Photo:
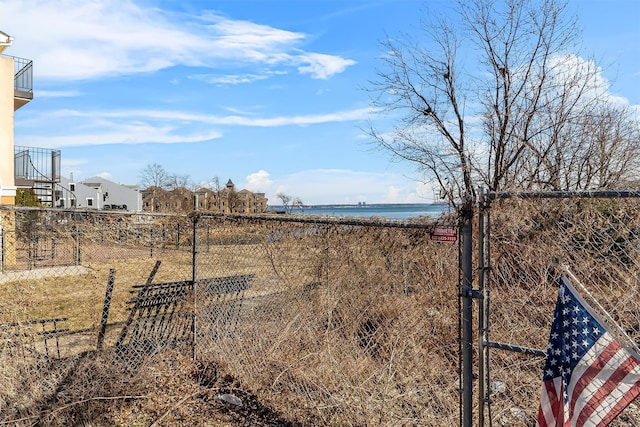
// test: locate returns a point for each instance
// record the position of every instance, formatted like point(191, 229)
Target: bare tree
point(609, 136)
point(234, 201)
point(154, 175)
point(180, 181)
point(507, 118)
point(586, 139)
point(216, 188)
point(289, 202)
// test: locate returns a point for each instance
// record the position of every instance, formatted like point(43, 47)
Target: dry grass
point(343, 325)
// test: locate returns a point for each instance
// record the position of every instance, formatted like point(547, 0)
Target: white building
point(97, 193)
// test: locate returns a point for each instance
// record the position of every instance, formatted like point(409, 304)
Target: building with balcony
point(16, 90)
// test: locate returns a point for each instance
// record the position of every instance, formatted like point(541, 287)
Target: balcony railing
point(36, 165)
point(23, 75)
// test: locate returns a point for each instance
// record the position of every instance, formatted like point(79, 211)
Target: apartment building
point(225, 200)
point(16, 90)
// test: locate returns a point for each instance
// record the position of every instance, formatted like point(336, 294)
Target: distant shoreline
point(374, 210)
point(364, 205)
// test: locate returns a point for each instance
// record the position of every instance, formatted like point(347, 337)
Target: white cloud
point(322, 66)
point(392, 194)
point(258, 182)
point(83, 128)
point(235, 79)
point(56, 93)
point(230, 79)
point(335, 186)
point(76, 39)
point(105, 175)
point(132, 133)
point(280, 189)
point(338, 116)
point(70, 162)
point(72, 167)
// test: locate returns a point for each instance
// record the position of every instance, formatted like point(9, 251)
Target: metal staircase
point(39, 170)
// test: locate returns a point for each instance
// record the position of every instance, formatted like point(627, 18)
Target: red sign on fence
point(444, 234)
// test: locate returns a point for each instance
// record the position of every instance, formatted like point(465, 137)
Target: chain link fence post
point(194, 280)
point(105, 310)
point(483, 307)
point(467, 313)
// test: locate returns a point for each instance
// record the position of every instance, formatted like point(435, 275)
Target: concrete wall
point(7, 183)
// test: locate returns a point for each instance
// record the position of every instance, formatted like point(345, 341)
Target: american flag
point(589, 378)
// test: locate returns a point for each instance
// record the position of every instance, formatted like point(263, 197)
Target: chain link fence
point(533, 240)
point(120, 318)
point(56, 268)
point(338, 322)
point(314, 321)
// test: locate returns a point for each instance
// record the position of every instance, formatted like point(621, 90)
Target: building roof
point(5, 40)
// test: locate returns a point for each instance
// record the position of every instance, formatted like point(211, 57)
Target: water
point(388, 211)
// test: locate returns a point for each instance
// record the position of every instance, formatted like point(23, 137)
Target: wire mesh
point(315, 322)
point(57, 265)
point(321, 322)
point(534, 241)
point(341, 323)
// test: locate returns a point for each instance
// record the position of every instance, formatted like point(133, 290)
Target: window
point(89, 201)
point(72, 187)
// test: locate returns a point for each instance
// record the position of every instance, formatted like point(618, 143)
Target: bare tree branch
point(537, 119)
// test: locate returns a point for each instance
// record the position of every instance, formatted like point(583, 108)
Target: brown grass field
point(342, 325)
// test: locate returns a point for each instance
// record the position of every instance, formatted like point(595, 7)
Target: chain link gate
point(526, 241)
point(334, 321)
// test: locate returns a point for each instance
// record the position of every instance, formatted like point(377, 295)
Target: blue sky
point(270, 94)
